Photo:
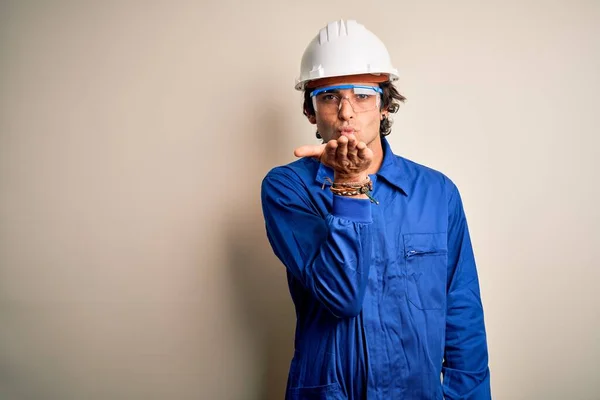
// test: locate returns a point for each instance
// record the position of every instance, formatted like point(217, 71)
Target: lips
point(347, 131)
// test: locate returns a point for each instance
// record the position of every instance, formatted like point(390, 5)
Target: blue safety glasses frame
point(366, 98)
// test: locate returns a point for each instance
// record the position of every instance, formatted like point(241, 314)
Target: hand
point(348, 157)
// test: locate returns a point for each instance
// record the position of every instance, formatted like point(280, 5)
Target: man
point(377, 250)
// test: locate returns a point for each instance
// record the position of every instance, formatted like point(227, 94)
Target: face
point(363, 124)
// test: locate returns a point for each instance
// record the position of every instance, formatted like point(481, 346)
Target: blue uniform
point(387, 296)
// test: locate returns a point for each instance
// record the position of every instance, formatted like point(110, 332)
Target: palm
point(346, 156)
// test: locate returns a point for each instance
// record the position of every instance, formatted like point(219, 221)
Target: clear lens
point(328, 100)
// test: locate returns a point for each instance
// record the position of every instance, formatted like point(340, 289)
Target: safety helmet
point(344, 48)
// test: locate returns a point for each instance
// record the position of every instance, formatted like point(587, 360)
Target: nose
point(346, 111)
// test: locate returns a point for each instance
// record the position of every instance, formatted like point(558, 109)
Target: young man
point(377, 250)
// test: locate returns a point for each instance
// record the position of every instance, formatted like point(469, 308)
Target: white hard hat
point(344, 48)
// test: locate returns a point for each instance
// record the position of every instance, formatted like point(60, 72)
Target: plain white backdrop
point(133, 139)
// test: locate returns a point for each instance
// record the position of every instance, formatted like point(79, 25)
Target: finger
point(352, 142)
point(364, 153)
point(331, 149)
point(342, 150)
point(352, 150)
point(310, 151)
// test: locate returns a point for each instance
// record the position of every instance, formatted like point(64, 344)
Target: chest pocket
point(426, 258)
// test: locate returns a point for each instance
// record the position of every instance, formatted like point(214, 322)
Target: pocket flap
point(332, 391)
point(424, 243)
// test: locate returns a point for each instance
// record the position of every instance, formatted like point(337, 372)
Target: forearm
point(465, 369)
point(329, 256)
point(339, 273)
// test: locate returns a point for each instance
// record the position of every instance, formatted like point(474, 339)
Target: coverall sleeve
point(329, 255)
point(465, 368)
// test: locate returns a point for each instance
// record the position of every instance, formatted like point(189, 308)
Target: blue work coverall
point(387, 296)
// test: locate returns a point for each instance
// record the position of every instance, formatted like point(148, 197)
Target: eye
point(363, 98)
point(328, 98)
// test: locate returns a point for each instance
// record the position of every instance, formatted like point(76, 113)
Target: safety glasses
point(362, 98)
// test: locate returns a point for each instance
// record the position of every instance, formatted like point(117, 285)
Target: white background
point(133, 139)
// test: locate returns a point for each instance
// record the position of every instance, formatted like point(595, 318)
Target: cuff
point(357, 210)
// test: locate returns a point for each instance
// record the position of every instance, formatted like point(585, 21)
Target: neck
point(376, 147)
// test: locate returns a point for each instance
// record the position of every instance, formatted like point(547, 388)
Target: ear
point(312, 119)
point(384, 114)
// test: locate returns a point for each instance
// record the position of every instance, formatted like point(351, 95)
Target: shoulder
point(295, 176)
point(302, 170)
point(423, 177)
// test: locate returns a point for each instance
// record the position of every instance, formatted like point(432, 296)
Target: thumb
point(310, 151)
